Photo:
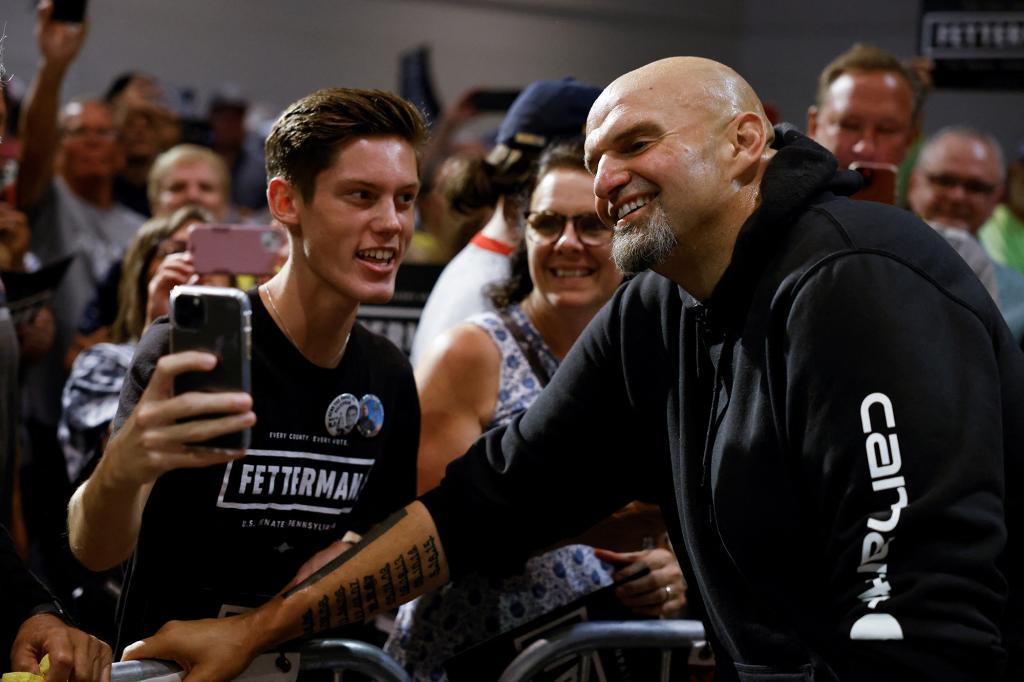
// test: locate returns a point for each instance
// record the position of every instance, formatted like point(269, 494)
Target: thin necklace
point(284, 328)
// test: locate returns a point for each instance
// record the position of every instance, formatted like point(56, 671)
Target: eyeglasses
point(547, 227)
point(969, 185)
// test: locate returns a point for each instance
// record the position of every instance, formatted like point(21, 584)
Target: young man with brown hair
point(223, 531)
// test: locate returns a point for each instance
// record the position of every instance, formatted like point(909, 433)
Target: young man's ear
point(284, 202)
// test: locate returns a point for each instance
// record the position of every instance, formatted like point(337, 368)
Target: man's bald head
point(691, 83)
point(677, 149)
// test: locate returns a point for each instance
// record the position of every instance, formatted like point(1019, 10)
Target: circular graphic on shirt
point(342, 414)
point(371, 416)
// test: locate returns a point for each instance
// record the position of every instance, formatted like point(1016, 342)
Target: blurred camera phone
point(493, 100)
point(236, 249)
point(69, 11)
point(879, 181)
point(216, 320)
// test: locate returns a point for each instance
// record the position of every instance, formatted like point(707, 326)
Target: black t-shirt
point(235, 534)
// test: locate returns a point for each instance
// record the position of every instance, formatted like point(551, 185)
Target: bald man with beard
point(817, 391)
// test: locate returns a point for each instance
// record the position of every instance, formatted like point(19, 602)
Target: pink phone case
point(236, 249)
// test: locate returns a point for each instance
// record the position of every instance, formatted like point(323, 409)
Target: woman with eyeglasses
point(482, 373)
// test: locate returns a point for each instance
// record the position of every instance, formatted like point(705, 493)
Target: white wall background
point(279, 50)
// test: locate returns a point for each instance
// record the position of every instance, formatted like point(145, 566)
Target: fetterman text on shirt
point(299, 481)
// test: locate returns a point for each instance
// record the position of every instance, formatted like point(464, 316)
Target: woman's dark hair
point(566, 153)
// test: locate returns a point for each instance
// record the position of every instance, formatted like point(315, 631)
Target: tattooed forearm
point(387, 586)
point(347, 555)
point(415, 567)
point(355, 598)
point(433, 558)
point(324, 612)
point(393, 569)
point(370, 593)
point(308, 626)
point(341, 605)
point(402, 571)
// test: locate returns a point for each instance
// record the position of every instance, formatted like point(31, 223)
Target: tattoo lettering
point(355, 597)
point(402, 571)
point(387, 585)
point(416, 566)
point(370, 594)
point(325, 613)
point(307, 622)
point(341, 605)
point(433, 557)
point(345, 556)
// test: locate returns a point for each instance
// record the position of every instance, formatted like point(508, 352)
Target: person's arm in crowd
point(59, 44)
point(458, 383)
point(105, 513)
point(36, 624)
point(399, 560)
point(901, 452)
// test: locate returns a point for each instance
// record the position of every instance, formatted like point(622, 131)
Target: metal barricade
point(655, 634)
point(321, 654)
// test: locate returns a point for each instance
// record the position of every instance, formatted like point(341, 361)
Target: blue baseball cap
point(543, 111)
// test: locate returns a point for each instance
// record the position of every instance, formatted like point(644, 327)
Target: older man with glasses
point(955, 186)
point(958, 179)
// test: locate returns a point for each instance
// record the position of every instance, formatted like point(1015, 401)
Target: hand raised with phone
point(155, 439)
point(59, 41)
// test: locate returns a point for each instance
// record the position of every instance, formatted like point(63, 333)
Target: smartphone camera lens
point(189, 312)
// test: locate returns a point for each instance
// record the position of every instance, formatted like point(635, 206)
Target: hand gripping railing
point(321, 654)
point(654, 634)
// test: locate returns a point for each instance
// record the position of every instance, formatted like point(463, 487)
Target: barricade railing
point(320, 654)
point(586, 637)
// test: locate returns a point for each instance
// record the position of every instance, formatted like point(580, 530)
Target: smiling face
point(192, 182)
point(656, 175)
point(865, 116)
point(956, 182)
point(354, 230)
point(568, 273)
point(89, 148)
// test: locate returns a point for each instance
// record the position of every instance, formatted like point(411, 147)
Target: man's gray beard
point(641, 247)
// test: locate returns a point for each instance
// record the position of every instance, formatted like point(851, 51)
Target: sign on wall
point(975, 44)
